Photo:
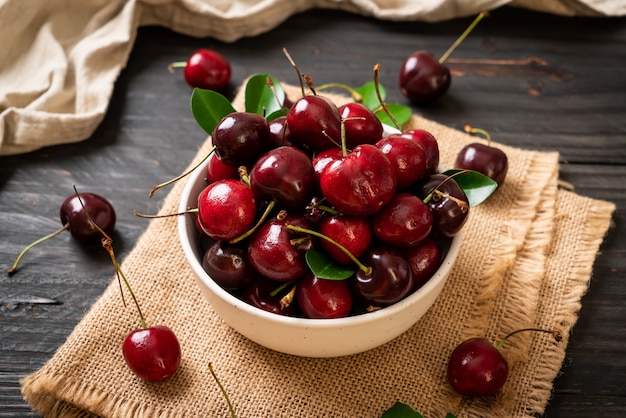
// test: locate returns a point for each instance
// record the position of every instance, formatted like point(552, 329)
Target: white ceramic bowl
point(302, 336)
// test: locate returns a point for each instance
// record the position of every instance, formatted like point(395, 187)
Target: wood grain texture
point(560, 86)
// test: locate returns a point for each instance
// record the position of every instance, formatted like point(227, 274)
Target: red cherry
point(424, 259)
point(404, 222)
point(361, 183)
point(321, 298)
point(152, 353)
point(351, 232)
point(73, 215)
point(314, 122)
point(219, 170)
point(226, 209)
point(488, 160)
point(207, 69)
point(422, 78)
point(431, 147)
point(407, 156)
point(361, 124)
point(477, 368)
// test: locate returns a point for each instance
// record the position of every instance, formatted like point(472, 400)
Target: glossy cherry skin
point(404, 222)
point(323, 299)
point(240, 138)
point(152, 353)
point(352, 232)
point(279, 132)
point(314, 122)
point(488, 160)
point(207, 69)
point(226, 209)
point(219, 170)
point(407, 157)
point(390, 281)
point(422, 79)
point(99, 209)
point(477, 368)
point(361, 183)
point(284, 175)
point(430, 145)
point(424, 259)
point(228, 265)
point(360, 124)
point(450, 208)
point(260, 294)
point(276, 252)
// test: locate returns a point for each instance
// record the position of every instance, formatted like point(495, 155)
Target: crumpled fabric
point(61, 58)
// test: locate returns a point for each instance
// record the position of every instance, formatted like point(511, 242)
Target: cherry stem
point(462, 37)
point(179, 64)
point(356, 96)
point(13, 269)
point(224, 393)
point(325, 208)
point(270, 83)
point(168, 215)
point(367, 270)
point(286, 300)
point(107, 244)
point(555, 334)
point(436, 189)
point(469, 129)
point(380, 97)
point(463, 206)
point(249, 232)
point(175, 179)
point(295, 67)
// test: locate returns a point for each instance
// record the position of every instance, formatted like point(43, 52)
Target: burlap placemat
point(526, 260)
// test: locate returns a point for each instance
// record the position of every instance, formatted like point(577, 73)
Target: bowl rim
point(187, 223)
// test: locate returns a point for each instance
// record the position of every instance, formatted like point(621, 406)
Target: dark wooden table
point(532, 80)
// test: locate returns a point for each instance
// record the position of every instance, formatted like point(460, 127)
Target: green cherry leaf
point(476, 186)
point(401, 113)
point(401, 410)
point(369, 96)
point(208, 107)
point(324, 267)
point(263, 99)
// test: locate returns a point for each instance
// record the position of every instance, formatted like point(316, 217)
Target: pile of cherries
point(324, 181)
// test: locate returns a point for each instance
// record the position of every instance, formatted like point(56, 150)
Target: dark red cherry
point(219, 170)
point(404, 222)
point(407, 157)
point(422, 79)
point(152, 353)
point(323, 299)
point(228, 265)
point(261, 293)
point(477, 368)
point(240, 138)
point(430, 145)
point(389, 281)
point(448, 202)
point(226, 209)
point(314, 122)
point(488, 160)
point(207, 69)
point(279, 132)
point(360, 124)
point(352, 232)
point(276, 252)
point(284, 175)
point(424, 259)
point(79, 225)
point(361, 183)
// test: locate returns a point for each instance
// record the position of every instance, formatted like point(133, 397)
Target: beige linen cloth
point(60, 58)
point(526, 261)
